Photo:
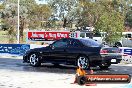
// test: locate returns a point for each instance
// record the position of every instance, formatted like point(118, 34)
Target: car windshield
point(90, 42)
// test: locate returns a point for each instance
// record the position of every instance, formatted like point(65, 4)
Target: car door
point(74, 48)
point(58, 50)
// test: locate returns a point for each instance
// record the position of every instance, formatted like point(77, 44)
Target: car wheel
point(83, 62)
point(34, 60)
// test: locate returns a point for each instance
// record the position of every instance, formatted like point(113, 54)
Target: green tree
point(128, 19)
point(31, 15)
point(88, 13)
point(111, 21)
point(10, 18)
point(25, 8)
point(105, 16)
point(64, 9)
point(38, 15)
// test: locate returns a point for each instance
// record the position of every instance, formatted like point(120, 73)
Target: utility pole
point(18, 31)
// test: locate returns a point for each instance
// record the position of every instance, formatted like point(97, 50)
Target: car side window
point(74, 43)
point(60, 43)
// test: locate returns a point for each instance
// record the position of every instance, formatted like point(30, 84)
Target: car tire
point(83, 62)
point(34, 60)
point(103, 67)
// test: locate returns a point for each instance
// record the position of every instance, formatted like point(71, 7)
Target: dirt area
point(21, 79)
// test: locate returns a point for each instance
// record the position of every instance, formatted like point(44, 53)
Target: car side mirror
point(50, 45)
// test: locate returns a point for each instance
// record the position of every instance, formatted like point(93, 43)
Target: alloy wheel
point(83, 62)
point(34, 60)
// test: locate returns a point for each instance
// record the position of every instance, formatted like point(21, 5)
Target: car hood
point(37, 50)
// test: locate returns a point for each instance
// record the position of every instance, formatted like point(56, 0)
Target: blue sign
point(18, 49)
point(128, 51)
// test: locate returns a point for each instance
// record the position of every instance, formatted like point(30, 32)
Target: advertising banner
point(17, 49)
point(46, 35)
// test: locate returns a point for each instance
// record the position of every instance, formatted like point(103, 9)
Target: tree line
point(110, 16)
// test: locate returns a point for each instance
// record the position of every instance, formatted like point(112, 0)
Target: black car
point(70, 51)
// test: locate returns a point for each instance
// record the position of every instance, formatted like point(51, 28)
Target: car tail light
point(103, 51)
point(125, 55)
